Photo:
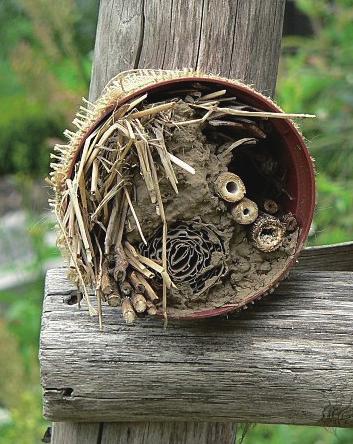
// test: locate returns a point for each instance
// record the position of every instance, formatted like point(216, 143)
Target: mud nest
point(175, 203)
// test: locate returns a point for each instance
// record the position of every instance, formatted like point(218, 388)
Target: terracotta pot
point(300, 170)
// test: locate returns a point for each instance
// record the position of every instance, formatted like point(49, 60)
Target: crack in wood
point(141, 36)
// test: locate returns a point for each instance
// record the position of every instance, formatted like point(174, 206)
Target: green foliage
point(44, 71)
point(25, 132)
point(316, 77)
point(280, 434)
point(20, 392)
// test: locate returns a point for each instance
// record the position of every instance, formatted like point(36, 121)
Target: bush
point(316, 77)
point(25, 131)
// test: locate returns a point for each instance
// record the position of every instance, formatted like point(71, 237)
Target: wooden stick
point(127, 311)
point(106, 285)
point(136, 282)
point(151, 308)
point(139, 303)
point(266, 114)
point(121, 264)
point(149, 292)
point(113, 299)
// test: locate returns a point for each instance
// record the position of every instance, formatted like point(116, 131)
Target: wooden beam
point(289, 359)
point(142, 433)
point(234, 38)
point(338, 257)
point(76, 433)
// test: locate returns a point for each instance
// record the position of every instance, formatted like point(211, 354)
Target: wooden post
point(234, 38)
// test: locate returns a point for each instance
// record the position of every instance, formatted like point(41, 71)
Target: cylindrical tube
point(139, 303)
point(267, 233)
point(136, 282)
point(128, 312)
point(270, 206)
point(126, 288)
point(230, 187)
point(245, 212)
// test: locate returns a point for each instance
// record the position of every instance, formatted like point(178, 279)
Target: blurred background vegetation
point(45, 61)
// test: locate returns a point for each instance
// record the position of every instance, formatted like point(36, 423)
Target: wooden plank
point(116, 49)
point(234, 38)
point(287, 360)
point(76, 433)
point(168, 433)
point(338, 257)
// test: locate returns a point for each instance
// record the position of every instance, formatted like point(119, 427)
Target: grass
point(20, 392)
point(286, 434)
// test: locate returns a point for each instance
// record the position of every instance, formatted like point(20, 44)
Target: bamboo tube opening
point(245, 212)
point(230, 187)
point(267, 233)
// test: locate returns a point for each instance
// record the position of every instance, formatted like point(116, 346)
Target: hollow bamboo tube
point(139, 303)
point(128, 312)
point(245, 212)
point(149, 292)
point(136, 282)
point(151, 308)
point(267, 233)
point(270, 206)
point(230, 187)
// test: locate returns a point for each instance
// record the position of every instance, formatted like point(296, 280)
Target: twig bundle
point(93, 210)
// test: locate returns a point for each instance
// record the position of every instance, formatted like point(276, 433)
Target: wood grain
point(76, 433)
point(233, 38)
point(168, 433)
point(287, 360)
point(338, 257)
point(143, 433)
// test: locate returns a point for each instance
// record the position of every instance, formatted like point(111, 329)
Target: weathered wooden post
point(190, 383)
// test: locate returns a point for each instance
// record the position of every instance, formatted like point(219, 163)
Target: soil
point(246, 270)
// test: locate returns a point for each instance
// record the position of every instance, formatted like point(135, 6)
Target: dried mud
point(248, 270)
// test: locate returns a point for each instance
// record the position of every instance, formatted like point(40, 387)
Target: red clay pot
point(300, 170)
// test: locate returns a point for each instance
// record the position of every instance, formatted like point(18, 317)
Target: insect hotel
point(183, 197)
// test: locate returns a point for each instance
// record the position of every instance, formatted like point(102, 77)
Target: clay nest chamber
point(181, 195)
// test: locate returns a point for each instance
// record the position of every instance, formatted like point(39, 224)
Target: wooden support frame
point(287, 359)
point(273, 363)
point(270, 364)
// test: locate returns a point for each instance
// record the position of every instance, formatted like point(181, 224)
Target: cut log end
point(128, 312)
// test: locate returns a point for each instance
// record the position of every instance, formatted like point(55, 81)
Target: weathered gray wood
point(143, 433)
point(337, 257)
point(287, 360)
point(234, 38)
point(168, 433)
point(76, 433)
